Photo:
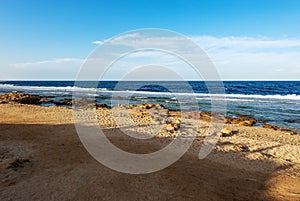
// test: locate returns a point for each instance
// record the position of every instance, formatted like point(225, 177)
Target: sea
point(273, 102)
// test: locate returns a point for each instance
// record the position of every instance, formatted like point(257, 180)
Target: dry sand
point(42, 158)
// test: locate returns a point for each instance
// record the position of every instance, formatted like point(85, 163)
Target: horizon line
point(4, 80)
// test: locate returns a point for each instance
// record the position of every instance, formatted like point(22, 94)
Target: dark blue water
point(275, 102)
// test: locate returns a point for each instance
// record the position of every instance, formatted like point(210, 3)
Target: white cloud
point(234, 57)
point(208, 42)
point(60, 68)
point(97, 42)
point(237, 57)
point(133, 36)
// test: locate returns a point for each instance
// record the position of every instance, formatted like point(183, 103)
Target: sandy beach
point(42, 158)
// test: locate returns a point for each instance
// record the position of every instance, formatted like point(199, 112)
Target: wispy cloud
point(234, 57)
point(208, 42)
point(129, 36)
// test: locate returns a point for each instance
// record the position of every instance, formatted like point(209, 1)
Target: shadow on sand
point(61, 169)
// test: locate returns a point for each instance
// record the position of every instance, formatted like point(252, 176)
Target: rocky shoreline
point(42, 157)
point(25, 98)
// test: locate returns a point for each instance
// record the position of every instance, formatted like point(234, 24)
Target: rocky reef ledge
point(25, 98)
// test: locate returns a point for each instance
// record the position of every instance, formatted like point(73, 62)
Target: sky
point(246, 40)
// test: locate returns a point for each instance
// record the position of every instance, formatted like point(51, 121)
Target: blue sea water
point(274, 102)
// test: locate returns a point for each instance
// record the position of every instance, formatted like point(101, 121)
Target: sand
point(42, 158)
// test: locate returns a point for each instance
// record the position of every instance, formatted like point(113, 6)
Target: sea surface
point(274, 102)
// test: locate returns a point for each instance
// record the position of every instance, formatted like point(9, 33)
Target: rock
point(102, 105)
point(241, 148)
point(19, 97)
point(289, 132)
point(270, 126)
point(170, 128)
point(205, 116)
point(246, 123)
point(149, 106)
point(172, 125)
point(176, 127)
point(146, 106)
point(292, 120)
point(242, 120)
point(67, 101)
point(46, 101)
point(160, 106)
point(227, 120)
point(131, 106)
point(225, 132)
point(176, 121)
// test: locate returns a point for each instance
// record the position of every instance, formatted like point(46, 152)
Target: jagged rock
point(160, 106)
point(146, 106)
point(65, 101)
point(242, 120)
point(227, 120)
point(247, 123)
point(170, 128)
point(102, 105)
point(176, 121)
point(149, 106)
point(172, 124)
point(19, 97)
point(205, 116)
point(270, 126)
point(43, 100)
point(289, 132)
point(176, 127)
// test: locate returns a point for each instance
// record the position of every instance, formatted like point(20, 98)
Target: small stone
point(226, 132)
point(176, 127)
point(170, 128)
point(241, 148)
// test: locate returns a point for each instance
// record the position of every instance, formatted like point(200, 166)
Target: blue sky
point(245, 39)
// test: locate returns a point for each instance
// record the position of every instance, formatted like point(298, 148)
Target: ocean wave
point(197, 96)
point(53, 89)
point(232, 97)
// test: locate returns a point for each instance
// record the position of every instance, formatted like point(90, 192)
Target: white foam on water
point(199, 96)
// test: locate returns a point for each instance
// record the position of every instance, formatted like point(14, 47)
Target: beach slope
point(42, 158)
